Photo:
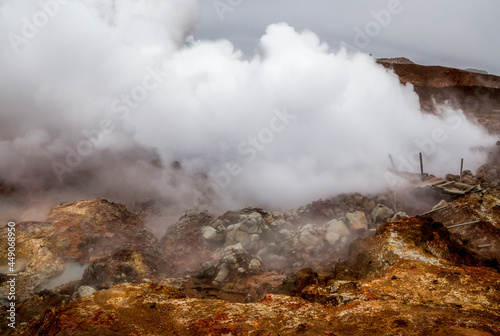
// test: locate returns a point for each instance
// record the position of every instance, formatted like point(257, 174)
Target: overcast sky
point(456, 33)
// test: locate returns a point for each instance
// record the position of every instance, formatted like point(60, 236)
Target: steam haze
point(126, 84)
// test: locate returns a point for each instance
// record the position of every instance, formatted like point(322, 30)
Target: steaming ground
point(117, 100)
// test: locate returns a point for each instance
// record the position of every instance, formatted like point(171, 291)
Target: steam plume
point(115, 99)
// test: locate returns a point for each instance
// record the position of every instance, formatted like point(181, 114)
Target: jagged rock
point(38, 303)
point(234, 265)
point(222, 274)
point(97, 224)
point(398, 216)
point(130, 263)
point(254, 265)
point(417, 239)
point(73, 232)
point(185, 241)
point(304, 277)
point(68, 288)
point(214, 235)
point(207, 271)
point(335, 230)
point(209, 233)
point(236, 248)
point(357, 220)
point(381, 214)
point(232, 217)
point(483, 233)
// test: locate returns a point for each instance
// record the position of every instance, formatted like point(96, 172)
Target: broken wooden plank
point(470, 189)
point(463, 185)
point(433, 210)
point(441, 186)
point(432, 184)
point(463, 224)
point(453, 192)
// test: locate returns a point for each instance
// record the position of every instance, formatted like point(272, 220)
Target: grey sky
point(462, 34)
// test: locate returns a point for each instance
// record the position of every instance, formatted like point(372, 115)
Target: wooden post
point(461, 169)
point(392, 162)
point(421, 164)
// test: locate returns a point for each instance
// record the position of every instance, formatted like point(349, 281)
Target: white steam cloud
point(102, 97)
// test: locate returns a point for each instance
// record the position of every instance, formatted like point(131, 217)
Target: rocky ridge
point(477, 94)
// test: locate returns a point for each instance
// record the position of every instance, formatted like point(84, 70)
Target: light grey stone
point(357, 220)
point(254, 264)
point(398, 216)
point(381, 214)
point(85, 291)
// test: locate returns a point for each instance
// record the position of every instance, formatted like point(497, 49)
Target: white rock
point(381, 214)
point(254, 237)
point(332, 237)
point(254, 264)
point(337, 226)
point(229, 259)
point(308, 235)
point(308, 239)
point(236, 248)
point(85, 291)
point(398, 216)
point(223, 274)
point(357, 220)
point(209, 233)
point(243, 238)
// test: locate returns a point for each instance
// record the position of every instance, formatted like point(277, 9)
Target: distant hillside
point(476, 93)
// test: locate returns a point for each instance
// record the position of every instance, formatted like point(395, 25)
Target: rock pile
point(229, 248)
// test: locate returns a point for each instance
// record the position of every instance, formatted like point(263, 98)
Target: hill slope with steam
point(476, 93)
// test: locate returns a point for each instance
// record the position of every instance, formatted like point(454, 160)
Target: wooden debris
point(463, 224)
point(437, 182)
point(441, 186)
point(424, 180)
point(463, 185)
point(434, 210)
point(454, 191)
